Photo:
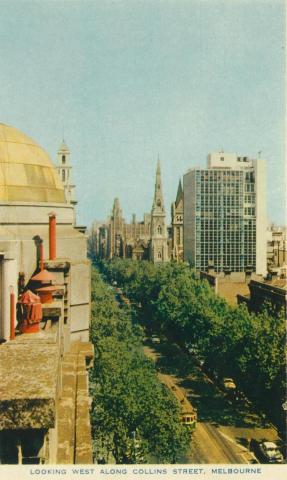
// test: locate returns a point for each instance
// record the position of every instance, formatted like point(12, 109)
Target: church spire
point(158, 205)
point(177, 225)
point(158, 243)
point(117, 212)
point(179, 194)
point(158, 166)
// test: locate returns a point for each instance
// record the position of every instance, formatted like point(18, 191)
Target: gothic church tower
point(177, 225)
point(158, 244)
point(116, 232)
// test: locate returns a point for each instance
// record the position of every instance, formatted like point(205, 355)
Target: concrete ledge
point(86, 349)
point(42, 338)
point(52, 309)
point(83, 453)
point(29, 384)
point(74, 428)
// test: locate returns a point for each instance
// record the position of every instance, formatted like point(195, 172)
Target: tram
point(188, 412)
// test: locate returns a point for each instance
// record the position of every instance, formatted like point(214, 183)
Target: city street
point(224, 429)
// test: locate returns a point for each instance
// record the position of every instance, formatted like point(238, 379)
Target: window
point(158, 202)
point(63, 175)
point(159, 255)
point(159, 230)
point(64, 159)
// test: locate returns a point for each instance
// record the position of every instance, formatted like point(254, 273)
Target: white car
point(270, 452)
point(155, 339)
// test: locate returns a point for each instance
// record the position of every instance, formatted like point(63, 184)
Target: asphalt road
point(223, 429)
point(209, 446)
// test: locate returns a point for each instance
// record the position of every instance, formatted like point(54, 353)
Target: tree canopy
point(169, 298)
point(133, 415)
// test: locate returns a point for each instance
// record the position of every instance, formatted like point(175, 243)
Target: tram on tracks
point(188, 412)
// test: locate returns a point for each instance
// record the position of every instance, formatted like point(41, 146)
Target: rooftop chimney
point(52, 236)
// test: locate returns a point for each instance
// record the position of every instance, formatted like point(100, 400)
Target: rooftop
point(28, 370)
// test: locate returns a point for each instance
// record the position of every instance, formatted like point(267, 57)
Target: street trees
point(133, 415)
point(236, 343)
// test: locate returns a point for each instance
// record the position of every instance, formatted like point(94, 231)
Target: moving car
point(267, 452)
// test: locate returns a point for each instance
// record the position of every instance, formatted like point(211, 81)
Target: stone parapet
point(29, 373)
point(83, 447)
point(74, 428)
point(66, 410)
point(86, 349)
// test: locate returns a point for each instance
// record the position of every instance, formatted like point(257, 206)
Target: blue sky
point(133, 79)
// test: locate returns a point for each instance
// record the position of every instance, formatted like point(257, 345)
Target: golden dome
point(26, 171)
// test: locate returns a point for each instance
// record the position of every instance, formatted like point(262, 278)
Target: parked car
point(267, 452)
point(155, 339)
point(228, 385)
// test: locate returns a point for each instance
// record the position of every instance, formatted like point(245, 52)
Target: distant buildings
point(225, 215)
point(146, 240)
point(270, 292)
point(276, 247)
point(218, 222)
point(272, 289)
point(125, 240)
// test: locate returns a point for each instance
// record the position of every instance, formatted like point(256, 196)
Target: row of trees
point(172, 301)
point(134, 417)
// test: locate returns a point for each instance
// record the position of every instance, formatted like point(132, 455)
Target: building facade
point(44, 405)
point(177, 226)
point(225, 215)
point(125, 240)
point(270, 293)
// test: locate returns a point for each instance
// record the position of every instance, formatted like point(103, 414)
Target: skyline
point(130, 81)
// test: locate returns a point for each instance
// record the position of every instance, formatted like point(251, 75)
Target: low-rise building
point(270, 292)
point(276, 247)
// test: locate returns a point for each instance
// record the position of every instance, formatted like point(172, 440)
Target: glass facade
point(225, 220)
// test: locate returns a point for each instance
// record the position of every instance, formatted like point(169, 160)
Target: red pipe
point(41, 251)
point(52, 236)
point(12, 314)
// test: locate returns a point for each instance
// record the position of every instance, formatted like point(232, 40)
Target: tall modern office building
point(225, 214)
